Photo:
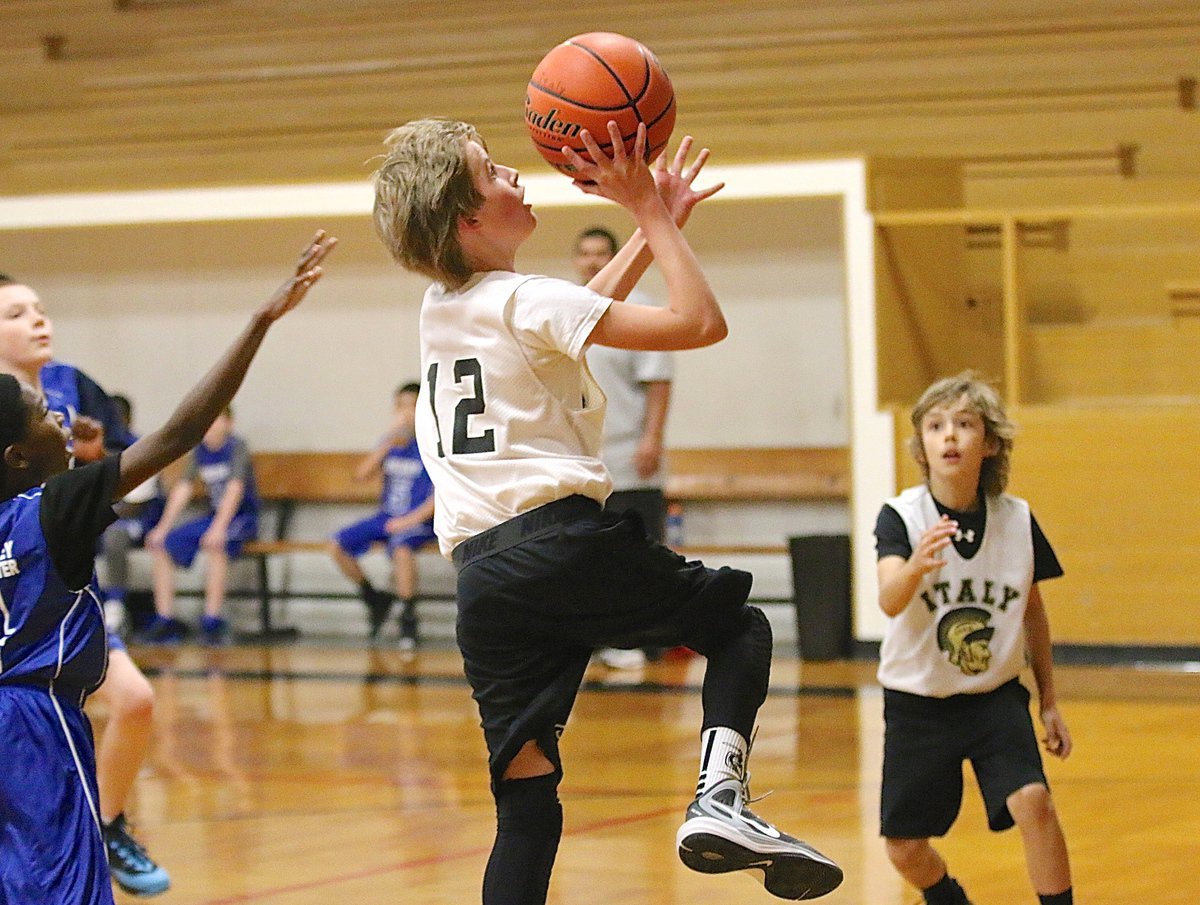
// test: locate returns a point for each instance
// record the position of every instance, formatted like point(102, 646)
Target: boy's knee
point(759, 626)
point(1031, 804)
point(750, 631)
point(133, 700)
point(906, 853)
point(530, 806)
point(743, 624)
point(529, 762)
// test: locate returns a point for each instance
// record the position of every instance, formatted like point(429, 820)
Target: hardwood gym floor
point(306, 774)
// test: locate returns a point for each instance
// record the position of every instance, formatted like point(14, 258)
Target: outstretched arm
point(186, 426)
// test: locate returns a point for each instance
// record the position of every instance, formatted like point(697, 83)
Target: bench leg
point(267, 633)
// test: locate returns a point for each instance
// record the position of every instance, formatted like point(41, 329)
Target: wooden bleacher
point(290, 480)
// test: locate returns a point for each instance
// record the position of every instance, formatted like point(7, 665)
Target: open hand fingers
point(320, 245)
point(639, 142)
point(292, 292)
point(697, 165)
point(710, 191)
point(590, 145)
point(303, 282)
point(618, 143)
point(681, 154)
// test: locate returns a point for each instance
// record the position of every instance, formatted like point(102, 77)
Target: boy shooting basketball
point(509, 424)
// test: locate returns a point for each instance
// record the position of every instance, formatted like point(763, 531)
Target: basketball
point(590, 79)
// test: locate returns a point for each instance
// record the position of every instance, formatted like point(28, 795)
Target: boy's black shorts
point(925, 743)
point(538, 593)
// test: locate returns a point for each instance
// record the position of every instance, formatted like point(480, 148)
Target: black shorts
point(650, 503)
point(925, 743)
point(537, 594)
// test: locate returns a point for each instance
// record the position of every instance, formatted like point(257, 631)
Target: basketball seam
point(665, 110)
point(631, 100)
point(582, 106)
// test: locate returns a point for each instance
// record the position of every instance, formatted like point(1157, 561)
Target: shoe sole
point(787, 874)
point(157, 888)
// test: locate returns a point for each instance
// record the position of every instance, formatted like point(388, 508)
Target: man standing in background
point(638, 387)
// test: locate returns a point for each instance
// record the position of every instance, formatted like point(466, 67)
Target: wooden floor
point(306, 774)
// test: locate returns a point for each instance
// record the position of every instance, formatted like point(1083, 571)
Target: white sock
point(722, 756)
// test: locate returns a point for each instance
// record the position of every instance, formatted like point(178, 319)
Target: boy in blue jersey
point(55, 651)
point(221, 466)
point(404, 520)
point(26, 352)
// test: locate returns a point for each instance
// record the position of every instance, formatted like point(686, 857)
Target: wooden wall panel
point(1117, 493)
point(101, 97)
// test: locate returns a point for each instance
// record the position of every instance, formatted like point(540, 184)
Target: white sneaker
point(721, 835)
point(615, 658)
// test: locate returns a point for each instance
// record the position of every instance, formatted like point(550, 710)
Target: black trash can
point(821, 592)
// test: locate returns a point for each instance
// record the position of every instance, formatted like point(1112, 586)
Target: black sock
point(737, 675)
point(1066, 897)
point(528, 828)
point(945, 891)
point(366, 590)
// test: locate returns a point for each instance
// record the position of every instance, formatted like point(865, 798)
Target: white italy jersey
point(509, 417)
point(964, 629)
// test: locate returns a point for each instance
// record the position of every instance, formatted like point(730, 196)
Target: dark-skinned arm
point(216, 389)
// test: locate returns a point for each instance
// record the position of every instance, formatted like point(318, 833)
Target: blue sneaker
point(214, 631)
point(165, 630)
point(133, 869)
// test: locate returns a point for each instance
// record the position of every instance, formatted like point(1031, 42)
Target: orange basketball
point(590, 79)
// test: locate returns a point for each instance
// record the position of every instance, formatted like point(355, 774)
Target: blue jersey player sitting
point(404, 521)
point(221, 466)
point(54, 648)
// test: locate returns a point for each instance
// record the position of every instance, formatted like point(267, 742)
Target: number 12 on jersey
point(462, 441)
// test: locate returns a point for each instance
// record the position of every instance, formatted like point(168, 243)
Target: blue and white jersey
point(53, 626)
point(406, 483)
point(70, 392)
point(217, 467)
point(61, 389)
point(52, 654)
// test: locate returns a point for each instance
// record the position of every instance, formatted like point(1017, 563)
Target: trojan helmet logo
point(736, 762)
point(964, 635)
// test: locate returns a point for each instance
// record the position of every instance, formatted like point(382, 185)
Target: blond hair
point(998, 430)
point(422, 188)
